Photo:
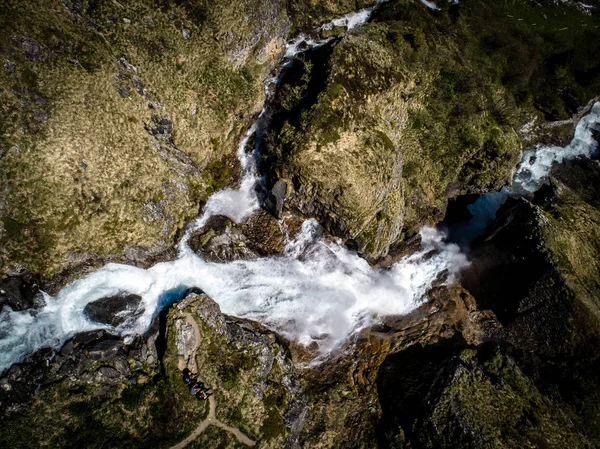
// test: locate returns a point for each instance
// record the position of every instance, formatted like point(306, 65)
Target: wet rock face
point(596, 135)
point(521, 271)
point(349, 409)
point(275, 198)
point(511, 262)
point(221, 240)
point(113, 310)
point(20, 293)
point(481, 382)
point(267, 235)
point(94, 357)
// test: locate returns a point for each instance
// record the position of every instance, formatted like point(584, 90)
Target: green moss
point(215, 438)
point(490, 397)
point(136, 416)
point(12, 228)
point(436, 96)
point(232, 87)
point(539, 54)
point(273, 426)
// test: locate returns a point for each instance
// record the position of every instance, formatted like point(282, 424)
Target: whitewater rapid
point(533, 170)
point(317, 291)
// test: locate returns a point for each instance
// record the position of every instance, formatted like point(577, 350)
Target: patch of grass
point(72, 170)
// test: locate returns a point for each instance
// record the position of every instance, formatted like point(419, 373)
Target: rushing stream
point(317, 291)
point(531, 173)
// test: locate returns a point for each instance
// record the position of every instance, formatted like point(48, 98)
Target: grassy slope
point(90, 179)
point(436, 97)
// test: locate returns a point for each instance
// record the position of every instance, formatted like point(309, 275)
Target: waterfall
point(317, 291)
point(533, 170)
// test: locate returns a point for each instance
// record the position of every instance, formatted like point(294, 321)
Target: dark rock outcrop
point(348, 408)
point(98, 391)
point(275, 197)
point(221, 240)
point(537, 269)
point(20, 293)
point(442, 396)
point(97, 358)
point(113, 310)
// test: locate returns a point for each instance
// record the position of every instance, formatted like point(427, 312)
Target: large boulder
point(113, 310)
point(221, 240)
point(20, 293)
point(275, 198)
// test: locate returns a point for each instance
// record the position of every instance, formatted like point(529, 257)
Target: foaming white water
point(304, 41)
point(430, 4)
point(537, 163)
point(535, 167)
point(350, 21)
point(278, 291)
point(317, 291)
point(236, 204)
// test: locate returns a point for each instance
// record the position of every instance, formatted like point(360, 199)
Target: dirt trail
point(212, 417)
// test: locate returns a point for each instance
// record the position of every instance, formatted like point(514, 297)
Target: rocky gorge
point(311, 294)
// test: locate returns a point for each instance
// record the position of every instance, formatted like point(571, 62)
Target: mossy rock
point(248, 367)
point(539, 274)
point(98, 391)
point(419, 105)
point(76, 405)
